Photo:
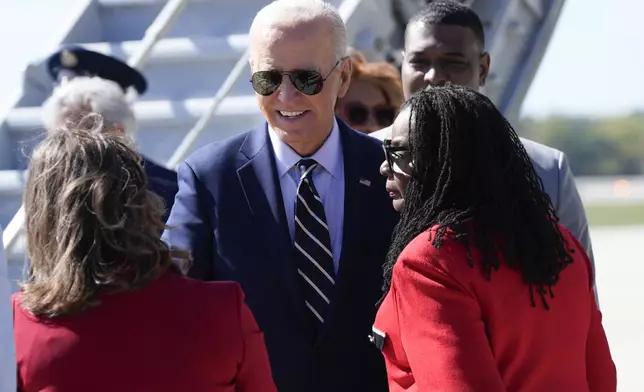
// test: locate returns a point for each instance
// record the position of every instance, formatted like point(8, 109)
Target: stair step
point(179, 49)
point(177, 69)
point(151, 113)
point(189, 67)
point(12, 183)
point(161, 126)
point(135, 3)
point(125, 20)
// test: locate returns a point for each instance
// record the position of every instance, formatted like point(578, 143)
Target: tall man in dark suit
point(295, 209)
point(93, 82)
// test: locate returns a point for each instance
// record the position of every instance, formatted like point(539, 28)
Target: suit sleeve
point(442, 333)
point(570, 208)
point(255, 371)
point(571, 213)
point(190, 227)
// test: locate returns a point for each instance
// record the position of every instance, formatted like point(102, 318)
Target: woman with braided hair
point(485, 291)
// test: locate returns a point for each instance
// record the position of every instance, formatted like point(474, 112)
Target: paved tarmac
point(620, 282)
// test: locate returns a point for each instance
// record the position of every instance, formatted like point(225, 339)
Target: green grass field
point(615, 215)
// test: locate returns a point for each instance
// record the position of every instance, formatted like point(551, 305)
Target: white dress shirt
point(328, 178)
point(7, 348)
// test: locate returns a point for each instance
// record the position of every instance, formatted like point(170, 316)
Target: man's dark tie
point(314, 259)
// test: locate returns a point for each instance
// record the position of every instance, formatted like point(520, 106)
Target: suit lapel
point(259, 170)
point(353, 193)
point(357, 193)
point(260, 183)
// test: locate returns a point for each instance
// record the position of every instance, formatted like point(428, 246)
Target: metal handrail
point(346, 9)
point(162, 23)
point(13, 229)
point(157, 30)
point(186, 143)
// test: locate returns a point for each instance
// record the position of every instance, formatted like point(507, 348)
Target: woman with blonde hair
point(374, 96)
point(106, 306)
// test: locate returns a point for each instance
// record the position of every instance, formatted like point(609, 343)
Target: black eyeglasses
point(306, 81)
point(391, 152)
point(358, 114)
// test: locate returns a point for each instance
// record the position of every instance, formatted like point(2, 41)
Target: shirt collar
point(328, 156)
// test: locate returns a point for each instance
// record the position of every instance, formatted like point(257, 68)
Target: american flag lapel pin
point(365, 182)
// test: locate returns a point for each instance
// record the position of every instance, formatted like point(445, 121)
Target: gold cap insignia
point(68, 59)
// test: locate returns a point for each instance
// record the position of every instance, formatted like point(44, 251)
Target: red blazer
point(177, 334)
point(449, 329)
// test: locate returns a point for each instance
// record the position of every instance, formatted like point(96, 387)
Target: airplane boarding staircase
point(194, 55)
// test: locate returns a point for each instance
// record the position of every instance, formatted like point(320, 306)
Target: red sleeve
point(255, 371)
point(442, 331)
point(600, 368)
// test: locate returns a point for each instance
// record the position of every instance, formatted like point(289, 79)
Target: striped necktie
point(312, 244)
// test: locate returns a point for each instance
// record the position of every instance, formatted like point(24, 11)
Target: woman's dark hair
point(93, 227)
point(473, 177)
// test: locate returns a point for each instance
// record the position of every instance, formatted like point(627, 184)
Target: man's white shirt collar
point(327, 156)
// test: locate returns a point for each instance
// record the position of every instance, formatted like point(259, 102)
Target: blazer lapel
point(357, 190)
point(261, 186)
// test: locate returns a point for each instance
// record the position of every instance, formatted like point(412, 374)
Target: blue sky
point(594, 64)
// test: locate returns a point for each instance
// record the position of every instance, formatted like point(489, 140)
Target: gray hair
point(88, 95)
point(290, 11)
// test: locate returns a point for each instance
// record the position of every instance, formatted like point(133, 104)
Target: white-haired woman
point(84, 94)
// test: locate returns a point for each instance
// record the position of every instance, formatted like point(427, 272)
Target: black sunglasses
point(306, 81)
point(390, 152)
point(358, 114)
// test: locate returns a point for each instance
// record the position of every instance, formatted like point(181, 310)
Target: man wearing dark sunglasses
point(445, 43)
point(295, 209)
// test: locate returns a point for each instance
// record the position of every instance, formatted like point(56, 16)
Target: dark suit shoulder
point(216, 155)
point(372, 141)
point(162, 181)
point(370, 145)
point(153, 169)
point(364, 146)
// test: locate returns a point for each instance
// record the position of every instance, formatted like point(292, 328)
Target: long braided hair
point(472, 175)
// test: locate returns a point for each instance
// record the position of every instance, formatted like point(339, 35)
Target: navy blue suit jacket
point(163, 182)
point(229, 213)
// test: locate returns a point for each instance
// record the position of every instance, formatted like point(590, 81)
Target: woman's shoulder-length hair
point(92, 225)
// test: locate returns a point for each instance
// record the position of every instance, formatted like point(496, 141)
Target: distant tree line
point(600, 146)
